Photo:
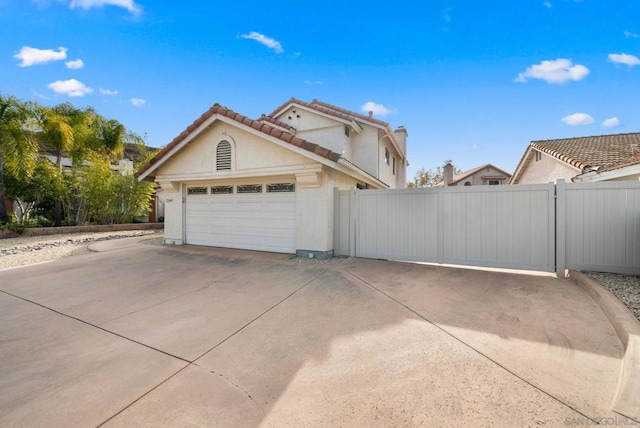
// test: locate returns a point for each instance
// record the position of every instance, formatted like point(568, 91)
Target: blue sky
point(471, 81)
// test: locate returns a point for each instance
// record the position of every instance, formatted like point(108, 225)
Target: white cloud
point(138, 102)
point(130, 5)
point(548, 4)
point(264, 40)
point(629, 35)
point(378, 109)
point(624, 58)
point(556, 71)
point(313, 82)
point(75, 64)
point(107, 91)
point(32, 56)
point(578, 119)
point(71, 87)
point(611, 122)
point(446, 15)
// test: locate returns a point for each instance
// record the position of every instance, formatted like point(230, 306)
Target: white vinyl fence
point(517, 227)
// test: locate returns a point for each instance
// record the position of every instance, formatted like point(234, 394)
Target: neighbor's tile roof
point(601, 151)
point(463, 175)
point(331, 110)
point(466, 174)
point(255, 124)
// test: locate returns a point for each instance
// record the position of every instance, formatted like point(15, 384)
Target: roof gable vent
point(223, 156)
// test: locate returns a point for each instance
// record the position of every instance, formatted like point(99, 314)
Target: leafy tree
point(18, 147)
point(430, 177)
point(110, 197)
point(44, 185)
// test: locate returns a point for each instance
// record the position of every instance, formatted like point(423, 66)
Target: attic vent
point(223, 156)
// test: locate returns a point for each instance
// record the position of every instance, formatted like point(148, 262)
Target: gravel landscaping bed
point(24, 251)
point(626, 288)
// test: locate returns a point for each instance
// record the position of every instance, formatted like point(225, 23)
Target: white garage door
point(252, 217)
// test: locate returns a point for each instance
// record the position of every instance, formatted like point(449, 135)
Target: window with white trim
point(386, 156)
point(223, 156)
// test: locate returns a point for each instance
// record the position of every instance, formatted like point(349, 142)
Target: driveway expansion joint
point(96, 326)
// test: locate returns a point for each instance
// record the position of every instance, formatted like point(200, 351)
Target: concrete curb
point(117, 243)
point(627, 327)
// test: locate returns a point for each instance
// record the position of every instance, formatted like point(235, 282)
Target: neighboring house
point(597, 158)
point(480, 176)
point(268, 184)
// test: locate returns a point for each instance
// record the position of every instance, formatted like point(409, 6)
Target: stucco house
point(484, 175)
point(597, 158)
point(268, 183)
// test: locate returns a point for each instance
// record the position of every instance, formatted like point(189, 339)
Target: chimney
point(370, 113)
point(634, 150)
point(447, 174)
point(402, 135)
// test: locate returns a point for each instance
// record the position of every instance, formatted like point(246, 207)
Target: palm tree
point(57, 133)
point(18, 147)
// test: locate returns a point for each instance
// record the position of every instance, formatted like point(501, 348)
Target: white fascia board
point(607, 175)
point(349, 169)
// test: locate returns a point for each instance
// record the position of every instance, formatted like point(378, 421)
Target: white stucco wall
point(317, 129)
point(249, 152)
point(546, 170)
point(173, 216)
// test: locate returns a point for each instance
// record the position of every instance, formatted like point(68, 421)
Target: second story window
point(347, 131)
point(386, 156)
point(394, 166)
point(223, 156)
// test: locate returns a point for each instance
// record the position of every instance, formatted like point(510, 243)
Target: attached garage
point(259, 216)
point(233, 182)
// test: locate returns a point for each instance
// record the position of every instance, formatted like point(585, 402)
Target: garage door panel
point(264, 221)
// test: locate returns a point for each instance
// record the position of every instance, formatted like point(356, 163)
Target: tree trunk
point(58, 204)
point(4, 215)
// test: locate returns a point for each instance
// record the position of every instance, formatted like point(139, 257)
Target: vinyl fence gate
point(545, 227)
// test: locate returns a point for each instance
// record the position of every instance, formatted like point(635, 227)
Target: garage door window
point(218, 190)
point(223, 156)
point(197, 191)
point(281, 187)
point(250, 188)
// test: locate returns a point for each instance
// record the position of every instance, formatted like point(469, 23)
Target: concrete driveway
point(143, 335)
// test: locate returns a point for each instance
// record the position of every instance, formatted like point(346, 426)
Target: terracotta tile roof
point(601, 151)
point(331, 110)
point(255, 124)
point(265, 118)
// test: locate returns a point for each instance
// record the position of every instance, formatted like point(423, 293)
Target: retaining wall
point(44, 231)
